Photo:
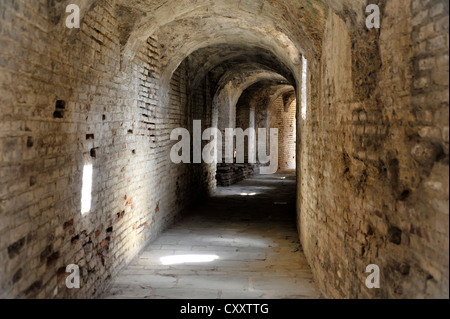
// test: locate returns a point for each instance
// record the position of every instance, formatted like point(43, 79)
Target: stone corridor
point(249, 228)
point(123, 124)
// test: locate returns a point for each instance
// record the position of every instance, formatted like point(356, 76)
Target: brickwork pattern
point(374, 171)
point(65, 106)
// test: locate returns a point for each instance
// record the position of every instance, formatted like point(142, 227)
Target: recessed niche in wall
point(59, 109)
point(32, 181)
point(30, 141)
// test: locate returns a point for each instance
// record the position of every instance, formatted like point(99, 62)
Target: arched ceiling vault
point(238, 79)
point(268, 91)
point(273, 33)
point(232, 40)
point(300, 21)
point(222, 59)
point(297, 19)
point(285, 29)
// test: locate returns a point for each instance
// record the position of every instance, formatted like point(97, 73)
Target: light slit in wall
point(304, 89)
point(86, 193)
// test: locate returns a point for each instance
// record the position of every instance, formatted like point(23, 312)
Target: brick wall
point(284, 118)
point(112, 119)
point(373, 184)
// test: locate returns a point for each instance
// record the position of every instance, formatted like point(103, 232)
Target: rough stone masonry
point(371, 152)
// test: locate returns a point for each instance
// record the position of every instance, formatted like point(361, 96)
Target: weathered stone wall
point(374, 160)
point(68, 102)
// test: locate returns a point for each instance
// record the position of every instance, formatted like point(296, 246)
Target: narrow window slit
point(86, 192)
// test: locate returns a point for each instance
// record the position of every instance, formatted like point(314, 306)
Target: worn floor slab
point(240, 244)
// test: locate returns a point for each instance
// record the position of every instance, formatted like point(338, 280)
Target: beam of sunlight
point(184, 259)
point(86, 192)
point(305, 89)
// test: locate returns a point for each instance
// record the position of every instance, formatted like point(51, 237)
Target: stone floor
point(240, 244)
